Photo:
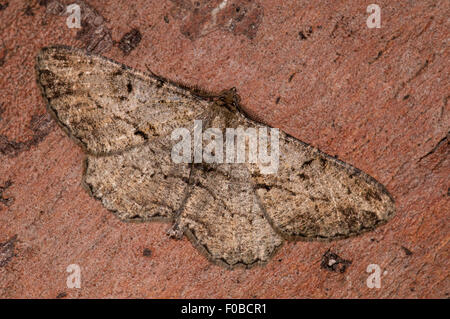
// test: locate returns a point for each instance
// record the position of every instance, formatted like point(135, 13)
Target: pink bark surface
point(375, 97)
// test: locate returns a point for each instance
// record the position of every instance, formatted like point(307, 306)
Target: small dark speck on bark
point(4, 6)
point(147, 252)
point(61, 295)
point(333, 262)
point(407, 251)
point(7, 251)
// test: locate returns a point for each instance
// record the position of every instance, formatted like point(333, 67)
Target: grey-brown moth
point(234, 214)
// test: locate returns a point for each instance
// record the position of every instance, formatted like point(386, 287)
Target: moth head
point(229, 99)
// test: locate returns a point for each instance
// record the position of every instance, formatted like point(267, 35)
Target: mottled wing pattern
point(316, 196)
point(124, 119)
point(108, 107)
point(224, 218)
point(139, 185)
point(233, 213)
point(222, 215)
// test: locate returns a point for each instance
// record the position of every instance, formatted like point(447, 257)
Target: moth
point(234, 214)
